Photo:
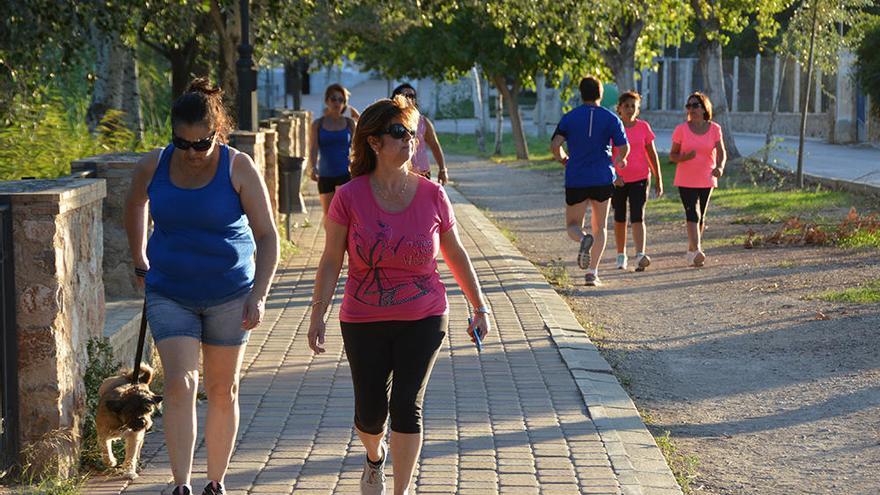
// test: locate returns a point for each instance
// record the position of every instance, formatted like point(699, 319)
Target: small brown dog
point(124, 411)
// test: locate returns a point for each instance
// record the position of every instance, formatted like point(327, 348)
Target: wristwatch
point(483, 310)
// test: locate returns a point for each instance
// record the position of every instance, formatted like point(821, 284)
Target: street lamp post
point(247, 75)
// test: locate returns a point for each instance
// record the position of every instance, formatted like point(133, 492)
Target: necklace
point(386, 196)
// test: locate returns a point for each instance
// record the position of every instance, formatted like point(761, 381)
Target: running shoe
point(642, 262)
point(690, 257)
point(214, 488)
point(621, 261)
point(592, 280)
point(373, 477)
point(584, 251)
point(181, 490)
point(699, 258)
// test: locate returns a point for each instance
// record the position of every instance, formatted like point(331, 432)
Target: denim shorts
point(218, 324)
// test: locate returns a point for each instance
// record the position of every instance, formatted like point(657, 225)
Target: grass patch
point(556, 274)
point(866, 294)
point(466, 144)
point(787, 264)
point(861, 239)
point(684, 467)
point(507, 233)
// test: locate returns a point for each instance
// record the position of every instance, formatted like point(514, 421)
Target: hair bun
point(203, 85)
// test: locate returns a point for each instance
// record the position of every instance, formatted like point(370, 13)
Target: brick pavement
point(512, 420)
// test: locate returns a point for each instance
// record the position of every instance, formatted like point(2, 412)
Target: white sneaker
point(621, 261)
point(373, 477)
point(690, 257)
point(699, 258)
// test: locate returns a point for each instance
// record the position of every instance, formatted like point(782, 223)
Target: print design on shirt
point(375, 288)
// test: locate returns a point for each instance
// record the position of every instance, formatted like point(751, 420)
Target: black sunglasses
point(398, 131)
point(411, 96)
point(336, 99)
point(200, 145)
point(694, 105)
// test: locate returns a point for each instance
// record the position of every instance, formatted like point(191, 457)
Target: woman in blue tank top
point(331, 144)
point(206, 267)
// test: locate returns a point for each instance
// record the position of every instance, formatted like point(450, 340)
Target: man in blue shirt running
point(589, 132)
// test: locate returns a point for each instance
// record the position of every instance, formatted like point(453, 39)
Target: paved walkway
point(537, 412)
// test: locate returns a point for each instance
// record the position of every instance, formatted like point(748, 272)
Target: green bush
point(868, 62)
point(101, 365)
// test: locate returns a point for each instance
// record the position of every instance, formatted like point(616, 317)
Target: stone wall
point(57, 232)
point(117, 169)
point(787, 124)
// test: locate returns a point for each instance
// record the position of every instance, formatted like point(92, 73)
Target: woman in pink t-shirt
point(631, 185)
point(699, 154)
point(392, 223)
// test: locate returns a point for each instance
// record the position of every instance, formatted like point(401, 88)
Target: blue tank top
point(201, 251)
point(333, 147)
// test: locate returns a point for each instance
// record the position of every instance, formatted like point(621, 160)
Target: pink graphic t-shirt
point(637, 163)
point(696, 172)
point(392, 257)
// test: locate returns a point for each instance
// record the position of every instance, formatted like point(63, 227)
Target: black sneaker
point(214, 488)
point(181, 490)
point(584, 251)
point(592, 279)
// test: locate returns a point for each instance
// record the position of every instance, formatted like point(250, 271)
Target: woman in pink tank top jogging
point(426, 138)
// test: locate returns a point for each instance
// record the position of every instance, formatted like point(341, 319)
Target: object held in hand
point(475, 331)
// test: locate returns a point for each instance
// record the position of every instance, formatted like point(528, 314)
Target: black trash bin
point(290, 198)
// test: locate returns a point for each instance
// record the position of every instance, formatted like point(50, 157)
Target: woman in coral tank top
point(699, 154)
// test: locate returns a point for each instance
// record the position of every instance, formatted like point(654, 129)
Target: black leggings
point(690, 196)
point(391, 362)
point(634, 192)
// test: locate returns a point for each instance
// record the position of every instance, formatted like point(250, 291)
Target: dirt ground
point(772, 391)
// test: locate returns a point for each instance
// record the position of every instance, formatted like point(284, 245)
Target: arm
point(676, 156)
point(559, 154)
point(255, 202)
point(622, 154)
point(720, 159)
point(463, 271)
point(437, 151)
point(313, 150)
point(355, 115)
point(136, 214)
point(326, 279)
point(654, 164)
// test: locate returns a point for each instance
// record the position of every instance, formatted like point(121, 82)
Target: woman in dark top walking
point(205, 289)
point(330, 144)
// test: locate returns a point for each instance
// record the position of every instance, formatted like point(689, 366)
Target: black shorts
point(634, 193)
point(328, 185)
point(391, 362)
point(575, 195)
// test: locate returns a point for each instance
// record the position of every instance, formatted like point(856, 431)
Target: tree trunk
point(131, 96)
point(541, 105)
point(713, 81)
point(777, 98)
point(519, 137)
point(810, 63)
point(228, 28)
point(478, 109)
point(499, 123)
point(109, 65)
point(621, 59)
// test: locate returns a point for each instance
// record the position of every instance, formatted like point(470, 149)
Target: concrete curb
point(634, 456)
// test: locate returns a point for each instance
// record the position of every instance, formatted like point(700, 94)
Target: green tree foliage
point(869, 61)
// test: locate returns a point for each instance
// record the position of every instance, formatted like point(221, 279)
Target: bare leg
point(620, 237)
point(222, 373)
point(373, 444)
point(574, 220)
point(180, 362)
point(599, 221)
point(326, 198)
point(639, 236)
point(405, 449)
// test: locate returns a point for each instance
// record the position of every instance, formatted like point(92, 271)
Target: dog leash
point(139, 354)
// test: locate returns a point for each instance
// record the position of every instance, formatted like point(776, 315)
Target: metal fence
point(750, 84)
